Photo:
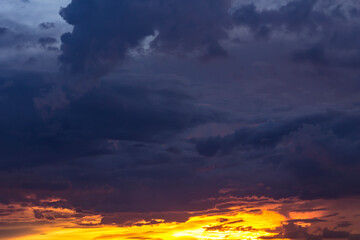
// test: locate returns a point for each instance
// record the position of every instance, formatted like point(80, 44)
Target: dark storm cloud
point(336, 49)
point(304, 160)
point(111, 112)
point(3, 31)
point(334, 44)
point(117, 148)
point(293, 231)
point(314, 55)
point(271, 133)
point(104, 31)
point(295, 16)
point(328, 29)
point(320, 153)
point(119, 138)
point(266, 135)
point(116, 138)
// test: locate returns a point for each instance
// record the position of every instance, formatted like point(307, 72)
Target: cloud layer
point(150, 112)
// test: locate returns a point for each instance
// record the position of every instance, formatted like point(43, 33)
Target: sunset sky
point(179, 119)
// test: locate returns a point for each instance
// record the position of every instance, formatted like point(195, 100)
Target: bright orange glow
point(235, 224)
point(245, 219)
point(239, 226)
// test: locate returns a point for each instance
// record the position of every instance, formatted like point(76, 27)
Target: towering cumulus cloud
point(105, 30)
point(179, 119)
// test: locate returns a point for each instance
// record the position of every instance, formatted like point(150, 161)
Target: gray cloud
point(117, 27)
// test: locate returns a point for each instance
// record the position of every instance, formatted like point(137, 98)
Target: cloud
point(46, 25)
point(295, 16)
point(48, 43)
point(117, 27)
point(266, 135)
point(311, 220)
point(112, 112)
point(120, 145)
point(3, 30)
point(126, 129)
point(335, 234)
point(293, 231)
point(104, 31)
point(120, 137)
point(319, 152)
point(344, 224)
point(314, 55)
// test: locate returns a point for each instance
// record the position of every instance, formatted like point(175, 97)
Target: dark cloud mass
point(295, 16)
point(112, 112)
point(104, 31)
point(3, 30)
point(321, 151)
point(150, 112)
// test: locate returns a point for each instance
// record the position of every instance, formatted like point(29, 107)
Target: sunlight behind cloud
point(233, 225)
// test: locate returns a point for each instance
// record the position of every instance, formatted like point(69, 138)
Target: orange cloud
point(258, 219)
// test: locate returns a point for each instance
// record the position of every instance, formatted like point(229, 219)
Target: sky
point(179, 119)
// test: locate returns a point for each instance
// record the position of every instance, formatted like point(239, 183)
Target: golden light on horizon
point(232, 225)
point(230, 219)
